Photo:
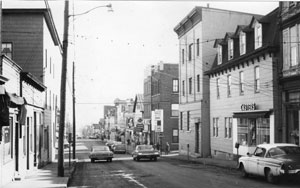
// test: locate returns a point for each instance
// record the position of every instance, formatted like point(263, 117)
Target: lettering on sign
point(248, 107)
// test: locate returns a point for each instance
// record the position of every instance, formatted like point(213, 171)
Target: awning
point(15, 100)
point(253, 114)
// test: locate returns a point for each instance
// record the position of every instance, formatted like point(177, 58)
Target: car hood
point(289, 158)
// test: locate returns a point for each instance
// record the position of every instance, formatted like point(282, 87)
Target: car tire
point(270, 177)
point(92, 160)
point(244, 173)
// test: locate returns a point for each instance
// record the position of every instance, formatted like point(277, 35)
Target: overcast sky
point(112, 49)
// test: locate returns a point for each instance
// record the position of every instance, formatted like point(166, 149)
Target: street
point(165, 172)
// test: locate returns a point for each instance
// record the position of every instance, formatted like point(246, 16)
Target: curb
point(72, 170)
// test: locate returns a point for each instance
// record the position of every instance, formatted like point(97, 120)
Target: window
point(252, 132)
point(7, 132)
point(215, 127)
point(218, 87)
point(229, 85)
point(183, 86)
point(228, 127)
point(230, 49)
point(7, 49)
point(190, 52)
point(198, 83)
point(182, 56)
point(188, 121)
point(181, 120)
point(190, 85)
point(241, 84)
point(175, 85)
point(175, 136)
point(242, 43)
point(291, 47)
point(220, 54)
point(174, 110)
point(258, 35)
point(256, 80)
point(198, 47)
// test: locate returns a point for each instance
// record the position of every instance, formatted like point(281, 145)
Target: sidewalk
point(223, 163)
point(45, 177)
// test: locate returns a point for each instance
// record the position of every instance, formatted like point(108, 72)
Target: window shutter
point(286, 44)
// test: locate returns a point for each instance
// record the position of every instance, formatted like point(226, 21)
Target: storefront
point(252, 127)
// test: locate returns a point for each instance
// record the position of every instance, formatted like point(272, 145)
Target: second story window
point(175, 85)
point(220, 54)
point(198, 83)
point(241, 82)
point(229, 85)
point(190, 85)
point(174, 110)
point(242, 43)
point(181, 120)
point(291, 47)
point(182, 56)
point(190, 52)
point(218, 87)
point(230, 49)
point(215, 127)
point(7, 49)
point(256, 79)
point(258, 35)
point(183, 88)
point(198, 47)
point(188, 121)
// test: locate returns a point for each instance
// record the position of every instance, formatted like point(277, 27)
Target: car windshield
point(290, 149)
point(145, 147)
point(100, 149)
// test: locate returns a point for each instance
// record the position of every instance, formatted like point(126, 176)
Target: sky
point(111, 49)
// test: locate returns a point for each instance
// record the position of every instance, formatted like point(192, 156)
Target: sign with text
point(158, 120)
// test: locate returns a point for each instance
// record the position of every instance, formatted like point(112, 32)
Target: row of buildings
point(239, 80)
point(30, 72)
point(237, 83)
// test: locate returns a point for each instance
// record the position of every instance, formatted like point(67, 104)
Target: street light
point(60, 166)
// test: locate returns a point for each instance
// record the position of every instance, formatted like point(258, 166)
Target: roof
point(269, 146)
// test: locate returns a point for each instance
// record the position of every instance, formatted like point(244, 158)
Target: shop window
point(252, 132)
point(7, 132)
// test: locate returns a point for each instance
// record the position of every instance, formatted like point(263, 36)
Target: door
point(197, 138)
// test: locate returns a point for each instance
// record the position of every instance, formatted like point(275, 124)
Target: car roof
point(269, 146)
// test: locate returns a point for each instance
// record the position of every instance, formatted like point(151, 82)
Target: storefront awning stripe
point(252, 114)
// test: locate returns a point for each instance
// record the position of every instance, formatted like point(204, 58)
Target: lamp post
point(60, 167)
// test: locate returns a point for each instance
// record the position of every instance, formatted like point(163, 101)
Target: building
point(289, 14)
point(244, 88)
point(197, 33)
point(110, 121)
point(30, 38)
point(161, 101)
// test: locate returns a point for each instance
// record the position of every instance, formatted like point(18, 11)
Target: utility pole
point(60, 167)
point(74, 117)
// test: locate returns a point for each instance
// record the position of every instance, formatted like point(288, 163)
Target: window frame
point(258, 35)
point(229, 83)
point(188, 121)
point(198, 47)
point(181, 121)
point(182, 56)
point(198, 82)
point(190, 85)
point(190, 51)
point(175, 87)
point(183, 88)
point(256, 79)
point(5, 45)
point(241, 83)
point(230, 49)
point(220, 54)
point(218, 87)
point(174, 109)
point(242, 43)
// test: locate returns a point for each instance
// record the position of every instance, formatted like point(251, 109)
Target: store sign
point(157, 120)
point(248, 107)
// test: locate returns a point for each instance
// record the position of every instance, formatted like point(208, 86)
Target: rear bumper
point(147, 156)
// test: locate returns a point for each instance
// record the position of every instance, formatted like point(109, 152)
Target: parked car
point(272, 161)
point(145, 151)
point(101, 153)
point(119, 148)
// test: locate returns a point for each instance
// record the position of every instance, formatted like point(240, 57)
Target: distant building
point(161, 89)
point(197, 33)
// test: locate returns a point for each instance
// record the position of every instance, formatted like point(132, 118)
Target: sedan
point(272, 161)
point(101, 153)
point(145, 151)
point(119, 148)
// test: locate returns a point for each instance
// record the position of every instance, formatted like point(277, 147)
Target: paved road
point(165, 173)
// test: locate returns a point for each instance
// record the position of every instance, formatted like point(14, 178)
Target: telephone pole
point(60, 167)
point(74, 117)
